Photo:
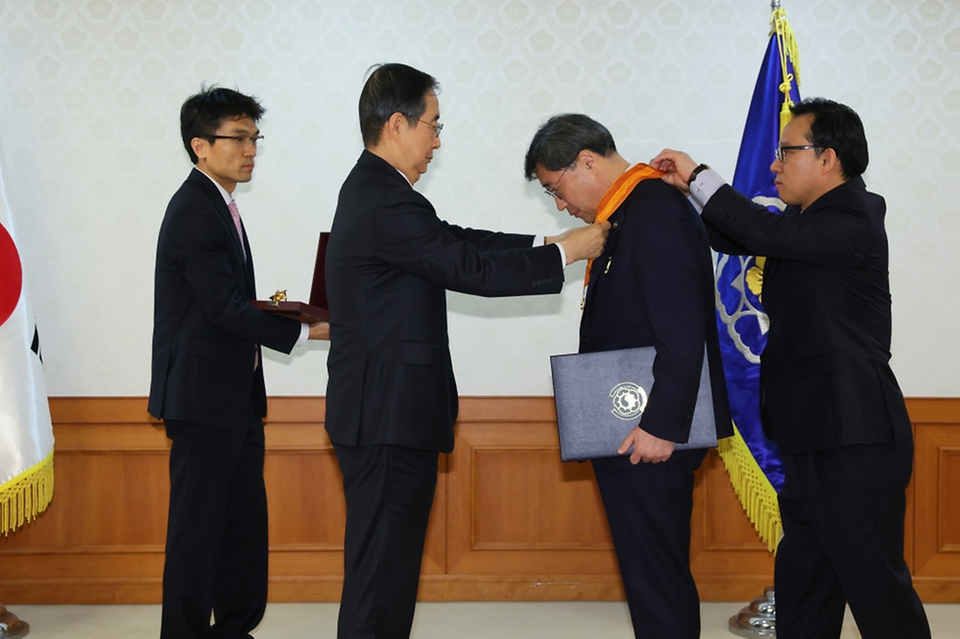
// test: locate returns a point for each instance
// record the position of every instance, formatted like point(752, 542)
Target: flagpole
point(26, 485)
point(11, 627)
point(758, 619)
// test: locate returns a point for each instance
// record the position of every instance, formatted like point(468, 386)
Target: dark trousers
point(216, 553)
point(648, 509)
point(842, 512)
point(389, 492)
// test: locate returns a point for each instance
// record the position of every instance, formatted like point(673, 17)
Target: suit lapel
point(246, 266)
point(600, 267)
point(210, 190)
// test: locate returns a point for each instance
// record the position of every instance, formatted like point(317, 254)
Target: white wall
point(90, 93)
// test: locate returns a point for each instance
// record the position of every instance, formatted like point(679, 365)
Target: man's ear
point(200, 147)
point(587, 157)
point(393, 126)
point(829, 161)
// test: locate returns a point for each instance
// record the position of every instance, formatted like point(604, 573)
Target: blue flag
point(752, 460)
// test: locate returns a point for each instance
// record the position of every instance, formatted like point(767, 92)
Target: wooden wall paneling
point(101, 539)
point(519, 516)
point(435, 548)
point(305, 504)
point(727, 558)
point(307, 510)
point(510, 521)
point(936, 535)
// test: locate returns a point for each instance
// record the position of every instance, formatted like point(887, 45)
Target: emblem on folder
point(629, 400)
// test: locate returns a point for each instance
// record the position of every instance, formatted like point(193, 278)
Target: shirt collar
point(227, 197)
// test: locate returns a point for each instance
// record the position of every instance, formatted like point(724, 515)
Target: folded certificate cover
point(601, 396)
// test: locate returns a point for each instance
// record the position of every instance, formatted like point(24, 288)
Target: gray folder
point(601, 396)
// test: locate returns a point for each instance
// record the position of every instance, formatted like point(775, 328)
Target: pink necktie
point(235, 214)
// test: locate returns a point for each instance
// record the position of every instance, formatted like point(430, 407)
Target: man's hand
point(646, 447)
point(319, 330)
point(584, 243)
point(676, 166)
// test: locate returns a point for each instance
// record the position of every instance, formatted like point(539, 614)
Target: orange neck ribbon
point(612, 200)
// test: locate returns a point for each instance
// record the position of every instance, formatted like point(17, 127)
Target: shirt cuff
point(563, 255)
point(702, 189)
point(304, 334)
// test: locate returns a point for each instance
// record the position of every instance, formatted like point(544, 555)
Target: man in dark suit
point(652, 286)
point(207, 383)
point(828, 397)
point(391, 395)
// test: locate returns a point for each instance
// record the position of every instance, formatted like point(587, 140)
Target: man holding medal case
point(652, 286)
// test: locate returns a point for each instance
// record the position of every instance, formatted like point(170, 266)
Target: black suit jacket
point(389, 262)
point(653, 286)
point(206, 334)
point(825, 375)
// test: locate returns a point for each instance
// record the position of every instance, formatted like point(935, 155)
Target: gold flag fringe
point(26, 496)
point(757, 495)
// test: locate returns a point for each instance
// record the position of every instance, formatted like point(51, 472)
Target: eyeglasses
point(242, 140)
point(553, 191)
point(780, 149)
point(437, 128)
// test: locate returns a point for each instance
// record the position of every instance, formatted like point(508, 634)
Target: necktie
point(235, 214)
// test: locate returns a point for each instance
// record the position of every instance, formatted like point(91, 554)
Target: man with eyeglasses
point(828, 396)
point(651, 286)
point(391, 396)
point(207, 379)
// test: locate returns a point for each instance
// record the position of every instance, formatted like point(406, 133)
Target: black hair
point(392, 88)
point(203, 114)
point(838, 127)
point(558, 142)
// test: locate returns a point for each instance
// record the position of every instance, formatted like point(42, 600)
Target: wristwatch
point(694, 173)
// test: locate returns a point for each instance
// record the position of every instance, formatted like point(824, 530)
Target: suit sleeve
point(409, 235)
point(724, 243)
point(669, 252)
point(828, 237)
point(489, 240)
point(200, 243)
